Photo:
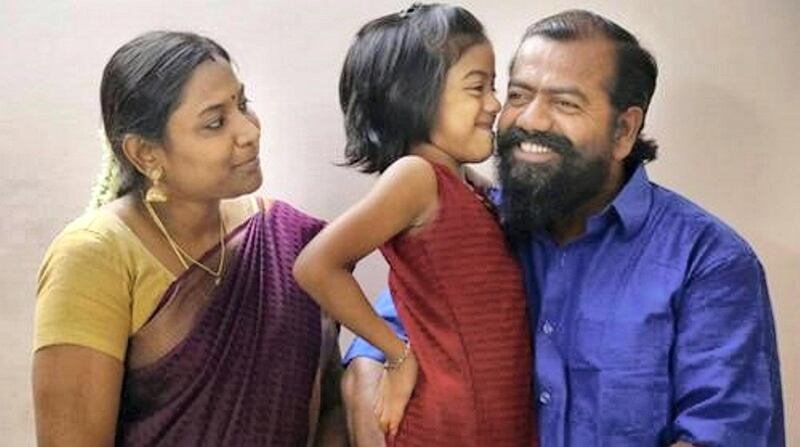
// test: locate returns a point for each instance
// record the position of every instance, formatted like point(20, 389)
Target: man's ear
point(626, 129)
point(143, 154)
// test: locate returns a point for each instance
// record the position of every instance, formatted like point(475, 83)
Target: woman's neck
point(194, 225)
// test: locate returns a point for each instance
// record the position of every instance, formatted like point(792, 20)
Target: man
point(650, 318)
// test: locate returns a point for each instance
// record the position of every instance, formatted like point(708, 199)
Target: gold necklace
point(182, 254)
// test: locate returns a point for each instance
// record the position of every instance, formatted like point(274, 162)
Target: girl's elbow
point(301, 271)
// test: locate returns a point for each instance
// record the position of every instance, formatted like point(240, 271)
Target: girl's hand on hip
point(396, 388)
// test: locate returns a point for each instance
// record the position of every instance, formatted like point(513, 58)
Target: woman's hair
point(141, 87)
point(393, 78)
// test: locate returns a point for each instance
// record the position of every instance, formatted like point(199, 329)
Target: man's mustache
point(514, 136)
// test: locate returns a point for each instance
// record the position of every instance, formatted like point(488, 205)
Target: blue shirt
point(654, 326)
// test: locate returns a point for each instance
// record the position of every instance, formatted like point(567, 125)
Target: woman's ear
point(143, 154)
point(626, 130)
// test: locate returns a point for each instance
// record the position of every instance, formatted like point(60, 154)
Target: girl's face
point(467, 107)
point(212, 138)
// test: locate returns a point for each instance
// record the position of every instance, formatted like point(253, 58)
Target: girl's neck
point(436, 155)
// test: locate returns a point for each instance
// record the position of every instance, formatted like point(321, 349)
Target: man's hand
point(359, 393)
point(396, 388)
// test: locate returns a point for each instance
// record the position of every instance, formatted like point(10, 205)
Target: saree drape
point(232, 364)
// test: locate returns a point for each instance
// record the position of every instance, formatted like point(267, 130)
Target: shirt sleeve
point(725, 363)
point(384, 306)
point(83, 297)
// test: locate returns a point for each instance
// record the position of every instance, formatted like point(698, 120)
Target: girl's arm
point(405, 195)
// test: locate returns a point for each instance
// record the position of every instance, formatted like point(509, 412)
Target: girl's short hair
point(393, 78)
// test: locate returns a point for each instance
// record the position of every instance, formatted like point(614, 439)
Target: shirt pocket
point(610, 344)
point(633, 406)
point(620, 378)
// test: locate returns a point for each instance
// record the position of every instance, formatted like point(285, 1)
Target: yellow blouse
point(97, 285)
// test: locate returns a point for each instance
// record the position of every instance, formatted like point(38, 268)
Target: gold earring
point(155, 193)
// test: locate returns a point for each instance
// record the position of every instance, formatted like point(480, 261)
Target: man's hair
point(393, 78)
point(635, 73)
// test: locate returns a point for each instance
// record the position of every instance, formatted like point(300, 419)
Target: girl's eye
point(243, 104)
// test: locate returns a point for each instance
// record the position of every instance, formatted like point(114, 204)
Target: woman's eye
point(243, 104)
point(216, 124)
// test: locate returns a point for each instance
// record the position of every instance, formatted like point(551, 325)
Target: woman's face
point(468, 106)
point(211, 144)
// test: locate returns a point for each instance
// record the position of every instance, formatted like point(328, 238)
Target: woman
point(169, 316)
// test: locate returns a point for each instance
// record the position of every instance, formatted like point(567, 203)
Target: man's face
point(555, 140)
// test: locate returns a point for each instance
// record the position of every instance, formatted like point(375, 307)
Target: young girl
point(417, 93)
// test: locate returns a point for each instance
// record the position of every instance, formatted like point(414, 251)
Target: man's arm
point(724, 362)
point(361, 378)
point(359, 392)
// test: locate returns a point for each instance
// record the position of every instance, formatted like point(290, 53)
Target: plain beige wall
point(725, 113)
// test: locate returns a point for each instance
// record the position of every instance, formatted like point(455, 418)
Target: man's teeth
point(531, 148)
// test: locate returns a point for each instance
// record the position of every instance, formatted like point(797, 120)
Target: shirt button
point(547, 328)
point(544, 398)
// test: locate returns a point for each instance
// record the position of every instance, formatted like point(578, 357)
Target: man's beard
point(537, 195)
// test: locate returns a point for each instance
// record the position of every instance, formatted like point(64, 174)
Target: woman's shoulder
point(82, 287)
point(98, 230)
point(292, 216)
point(281, 213)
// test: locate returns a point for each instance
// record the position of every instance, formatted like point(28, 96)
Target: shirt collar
point(633, 201)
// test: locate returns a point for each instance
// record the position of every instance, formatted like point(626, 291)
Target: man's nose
point(535, 116)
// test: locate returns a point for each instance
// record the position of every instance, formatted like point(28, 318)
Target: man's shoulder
point(680, 219)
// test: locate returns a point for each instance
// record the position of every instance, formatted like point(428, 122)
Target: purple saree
point(234, 364)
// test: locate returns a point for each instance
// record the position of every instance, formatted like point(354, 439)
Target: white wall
point(726, 115)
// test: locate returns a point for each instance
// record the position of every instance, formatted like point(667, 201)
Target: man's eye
point(515, 97)
point(567, 105)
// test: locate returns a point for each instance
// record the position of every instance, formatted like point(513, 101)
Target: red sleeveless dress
point(459, 293)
